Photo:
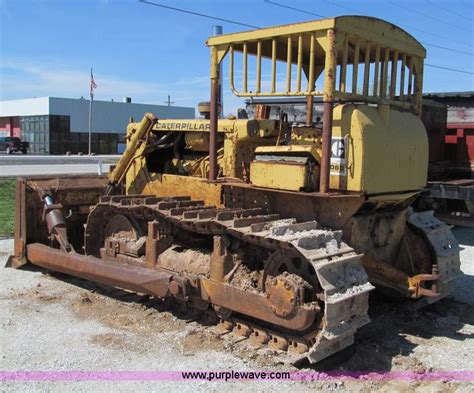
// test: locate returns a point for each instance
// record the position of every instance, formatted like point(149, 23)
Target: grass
point(7, 207)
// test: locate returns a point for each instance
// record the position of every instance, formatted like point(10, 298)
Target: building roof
point(107, 116)
point(450, 94)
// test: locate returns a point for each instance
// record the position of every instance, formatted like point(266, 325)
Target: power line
point(294, 9)
point(427, 16)
point(197, 14)
point(408, 26)
point(450, 11)
point(341, 6)
point(438, 35)
point(448, 49)
point(424, 43)
point(449, 69)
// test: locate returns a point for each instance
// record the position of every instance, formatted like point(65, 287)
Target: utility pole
point(217, 30)
point(92, 86)
point(169, 102)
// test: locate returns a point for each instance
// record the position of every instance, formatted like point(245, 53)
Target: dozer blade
point(76, 194)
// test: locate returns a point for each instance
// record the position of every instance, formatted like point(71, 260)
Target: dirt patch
point(114, 341)
point(31, 299)
point(197, 339)
point(128, 316)
point(245, 279)
point(389, 343)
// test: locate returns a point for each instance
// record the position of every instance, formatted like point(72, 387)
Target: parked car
point(11, 144)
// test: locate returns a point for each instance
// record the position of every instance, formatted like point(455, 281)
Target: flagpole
point(90, 123)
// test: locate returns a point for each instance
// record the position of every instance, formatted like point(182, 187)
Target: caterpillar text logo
point(181, 126)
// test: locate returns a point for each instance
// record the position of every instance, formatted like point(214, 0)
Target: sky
point(145, 52)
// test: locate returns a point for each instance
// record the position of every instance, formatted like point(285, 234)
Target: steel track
point(338, 268)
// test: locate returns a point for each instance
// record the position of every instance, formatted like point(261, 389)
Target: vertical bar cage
point(366, 71)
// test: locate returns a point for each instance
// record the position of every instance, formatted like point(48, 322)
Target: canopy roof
point(375, 31)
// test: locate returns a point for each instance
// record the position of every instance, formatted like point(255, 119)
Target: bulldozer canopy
point(376, 31)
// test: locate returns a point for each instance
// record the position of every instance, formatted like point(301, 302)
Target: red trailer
point(449, 120)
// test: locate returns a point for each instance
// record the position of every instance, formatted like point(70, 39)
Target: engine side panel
point(377, 150)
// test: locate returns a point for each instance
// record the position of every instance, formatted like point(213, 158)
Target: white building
point(57, 125)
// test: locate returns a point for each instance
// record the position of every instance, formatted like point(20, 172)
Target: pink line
point(455, 376)
point(90, 376)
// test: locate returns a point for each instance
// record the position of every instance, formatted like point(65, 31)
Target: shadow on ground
point(394, 330)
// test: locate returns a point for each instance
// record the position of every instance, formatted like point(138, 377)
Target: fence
point(7, 206)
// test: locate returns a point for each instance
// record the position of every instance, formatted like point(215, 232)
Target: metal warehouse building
point(55, 125)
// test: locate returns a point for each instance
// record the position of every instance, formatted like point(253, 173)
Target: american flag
point(93, 85)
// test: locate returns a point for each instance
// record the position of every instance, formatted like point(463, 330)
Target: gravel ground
point(52, 322)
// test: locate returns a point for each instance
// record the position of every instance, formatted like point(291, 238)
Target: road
point(52, 322)
point(24, 165)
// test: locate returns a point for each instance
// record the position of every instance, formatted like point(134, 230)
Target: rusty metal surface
point(444, 247)
point(194, 216)
point(255, 305)
point(213, 129)
point(326, 151)
point(284, 294)
point(76, 194)
point(19, 258)
point(331, 210)
point(55, 220)
point(280, 302)
point(134, 278)
point(309, 110)
point(285, 305)
point(329, 88)
point(221, 262)
point(417, 289)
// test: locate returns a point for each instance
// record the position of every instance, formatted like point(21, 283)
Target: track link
point(338, 268)
point(445, 249)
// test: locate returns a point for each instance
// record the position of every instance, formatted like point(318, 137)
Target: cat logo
point(338, 157)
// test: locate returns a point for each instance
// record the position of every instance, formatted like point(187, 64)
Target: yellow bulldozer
point(278, 230)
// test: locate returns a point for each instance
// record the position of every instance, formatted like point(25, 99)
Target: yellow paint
point(322, 45)
point(239, 146)
point(368, 28)
point(174, 185)
point(242, 126)
point(386, 149)
point(387, 152)
point(134, 134)
point(279, 175)
point(299, 150)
